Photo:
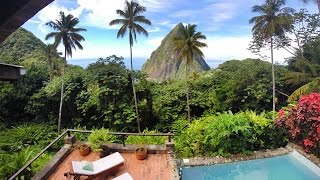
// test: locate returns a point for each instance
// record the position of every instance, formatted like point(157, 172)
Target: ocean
point(137, 62)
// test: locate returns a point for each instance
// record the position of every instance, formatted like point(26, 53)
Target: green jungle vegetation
point(230, 106)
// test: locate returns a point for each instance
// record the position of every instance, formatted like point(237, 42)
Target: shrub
point(190, 140)
point(266, 133)
point(13, 162)
point(302, 122)
point(226, 134)
point(144, 140)
point(99, 137)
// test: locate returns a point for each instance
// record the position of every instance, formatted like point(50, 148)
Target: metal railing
point(68, 132)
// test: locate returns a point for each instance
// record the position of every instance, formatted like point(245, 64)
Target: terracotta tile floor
point(153, 168)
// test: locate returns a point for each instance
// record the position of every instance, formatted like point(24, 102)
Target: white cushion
point(125, 176)
point(99, 165)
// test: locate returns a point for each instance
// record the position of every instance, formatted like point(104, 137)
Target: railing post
point(169, 138)
point(70, 138)
point(123, 140)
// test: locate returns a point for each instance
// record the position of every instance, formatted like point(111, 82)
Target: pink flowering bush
point(302, 122)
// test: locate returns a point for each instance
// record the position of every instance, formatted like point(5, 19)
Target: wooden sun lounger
point(103, 166)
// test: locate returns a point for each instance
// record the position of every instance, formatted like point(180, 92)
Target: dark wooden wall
point(9, 72)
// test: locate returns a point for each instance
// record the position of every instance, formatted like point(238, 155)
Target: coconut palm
point(188, 46)
point(67, 34)
point(130, 20)
point(313, 1)
point(273, 21)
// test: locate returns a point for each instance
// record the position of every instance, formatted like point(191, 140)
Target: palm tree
point(188, 45)
point(272, 23)
point(131, 17)
point(314, 1)
point(67, 34)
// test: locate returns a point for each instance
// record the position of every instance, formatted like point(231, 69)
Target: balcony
point(160, 163)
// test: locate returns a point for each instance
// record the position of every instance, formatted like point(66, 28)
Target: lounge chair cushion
point(125, 176)
point(100, 165)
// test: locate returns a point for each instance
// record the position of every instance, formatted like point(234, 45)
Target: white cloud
point(227, 48)
point(156, 5)
point(95, 13)
point(51, 12)
point(99, 13)
point(167, 24)
point(156, 29)
point(155, 42)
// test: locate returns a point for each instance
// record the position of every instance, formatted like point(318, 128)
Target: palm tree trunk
point(273, 77)
point(134, 92)
point(187, 92)
point(62, 90)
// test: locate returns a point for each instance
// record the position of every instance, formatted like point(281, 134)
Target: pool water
point(276, 168)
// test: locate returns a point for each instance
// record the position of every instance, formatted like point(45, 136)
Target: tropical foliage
point(19, 144)
point(227, 133)
point(99, 137)
point(302, 122)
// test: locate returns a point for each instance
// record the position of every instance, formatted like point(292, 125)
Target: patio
point(155, 167)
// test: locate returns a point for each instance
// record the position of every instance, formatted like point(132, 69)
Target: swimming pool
point(292, 166)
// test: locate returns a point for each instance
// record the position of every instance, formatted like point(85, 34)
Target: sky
point(224, 22)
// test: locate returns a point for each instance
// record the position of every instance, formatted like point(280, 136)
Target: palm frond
point(140, 30)
point(67, 33)
point(313, 86)
point(131, 18)
point(118, 21)
point(122, 31)
point(142, 19)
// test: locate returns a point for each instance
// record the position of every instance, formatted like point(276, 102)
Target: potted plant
point(98, 140)
point(84, 149)
point(141, 152)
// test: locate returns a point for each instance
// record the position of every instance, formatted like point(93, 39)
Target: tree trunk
point(273, 78)
point(134, 92)
point(187, 92)
point(318, 3)
point(62, 90)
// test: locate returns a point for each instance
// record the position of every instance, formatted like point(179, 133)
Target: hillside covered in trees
point(100, 95)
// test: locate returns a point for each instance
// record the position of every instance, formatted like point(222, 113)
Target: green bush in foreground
point(144, 140)
point(99, 137)
point(226, 134)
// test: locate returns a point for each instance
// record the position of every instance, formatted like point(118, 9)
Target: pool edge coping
point(268, 153)
point(306, 162)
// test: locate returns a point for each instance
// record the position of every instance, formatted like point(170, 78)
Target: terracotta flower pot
point(84, 150)
point(141, 153)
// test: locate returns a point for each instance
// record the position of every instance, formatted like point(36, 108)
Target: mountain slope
point(18, 46)
point(165, 65)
